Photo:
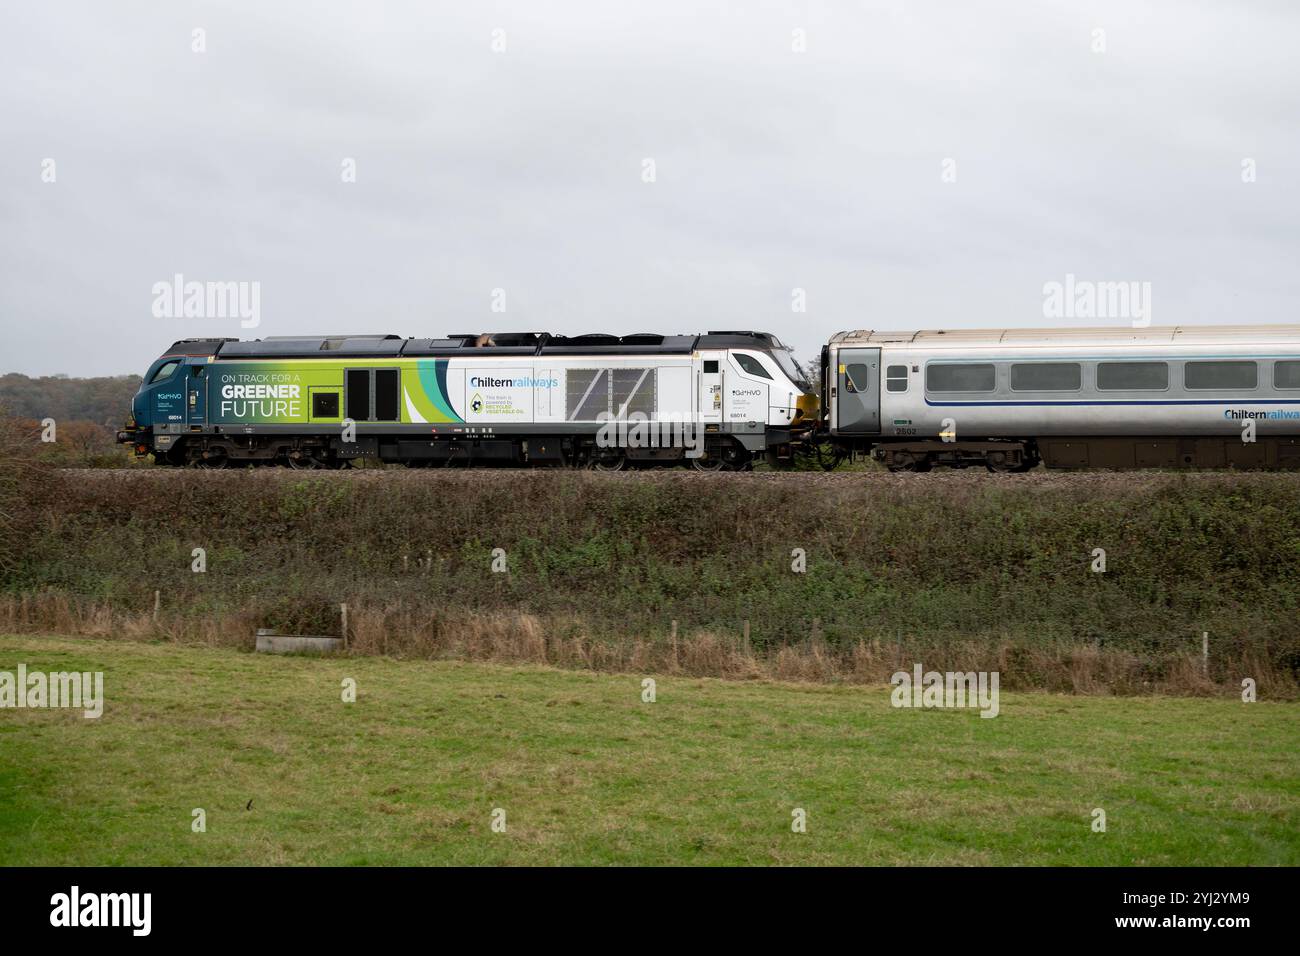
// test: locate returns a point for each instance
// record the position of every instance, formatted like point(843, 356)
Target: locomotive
point(1002, 399)
point(720, 400)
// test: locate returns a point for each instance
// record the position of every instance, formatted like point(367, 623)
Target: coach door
point(858, 386)
point(710, 386)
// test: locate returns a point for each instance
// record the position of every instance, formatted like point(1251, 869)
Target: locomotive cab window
point(164, 372)
point(751, 365)
point(1046, 376)
point(896, 378)
point(975, 377)
point(1286, 374)
point(1221, 375)
point(1132, 376)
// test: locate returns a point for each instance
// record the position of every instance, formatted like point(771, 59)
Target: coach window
point(751, 365)
point(1286, 374)
point(859, 377)
point(1132, 376)
point(1221, 375)
point(164, 372)
point(976, 377)
point(896, 378)
point(1046, 376)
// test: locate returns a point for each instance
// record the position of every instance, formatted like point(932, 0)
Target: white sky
point(522, 170)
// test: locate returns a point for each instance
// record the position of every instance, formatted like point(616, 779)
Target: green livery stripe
point(429, 397)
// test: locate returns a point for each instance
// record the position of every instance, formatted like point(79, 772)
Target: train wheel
point(302, 461)
point(708, 462)
point(999, 461)
point(743, 461)
point(212, 460)
point(906, 461)
point(608, 463)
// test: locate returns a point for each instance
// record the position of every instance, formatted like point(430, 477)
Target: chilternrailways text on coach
point(722, 400)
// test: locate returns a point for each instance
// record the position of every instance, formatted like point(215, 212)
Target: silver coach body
point(1020, 383)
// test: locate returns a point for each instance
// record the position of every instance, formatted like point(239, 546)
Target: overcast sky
point(523, 169)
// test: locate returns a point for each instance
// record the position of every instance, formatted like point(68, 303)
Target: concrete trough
point(269, 642)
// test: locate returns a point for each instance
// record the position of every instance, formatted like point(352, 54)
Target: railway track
point(966, 478)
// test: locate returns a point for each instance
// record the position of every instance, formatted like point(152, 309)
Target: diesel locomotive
point(721, 400)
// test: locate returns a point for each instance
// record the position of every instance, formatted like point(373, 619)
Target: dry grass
point(521, 638)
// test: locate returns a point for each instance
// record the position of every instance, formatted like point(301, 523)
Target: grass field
point(587, 773)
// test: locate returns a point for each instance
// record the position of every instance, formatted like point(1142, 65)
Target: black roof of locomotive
point(464, 345)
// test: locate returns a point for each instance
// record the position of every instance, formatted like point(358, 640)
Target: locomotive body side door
point(857, 386)
point(709, 392)
point(197, 388)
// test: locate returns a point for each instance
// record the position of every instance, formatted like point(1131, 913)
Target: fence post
point(157, 603)
point(676, 662)
point(344, 609)
point(1205, 652)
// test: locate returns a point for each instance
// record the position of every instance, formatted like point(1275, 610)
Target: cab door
point(709, 391)
point(857, 380)
point(197, 393)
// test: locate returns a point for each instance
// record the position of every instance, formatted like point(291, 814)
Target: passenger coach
point(1176, 397)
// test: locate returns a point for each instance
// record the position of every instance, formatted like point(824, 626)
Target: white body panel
point(577, 390)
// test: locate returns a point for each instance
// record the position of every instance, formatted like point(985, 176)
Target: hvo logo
point(476, 403)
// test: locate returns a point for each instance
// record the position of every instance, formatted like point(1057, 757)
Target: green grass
point(589, 774)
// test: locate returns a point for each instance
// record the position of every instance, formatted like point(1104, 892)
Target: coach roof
point(1103, 335)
